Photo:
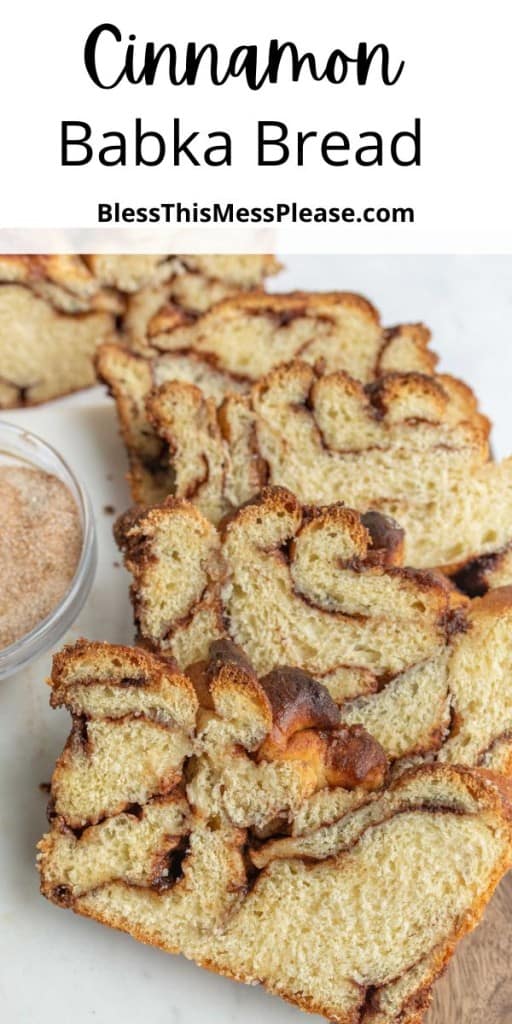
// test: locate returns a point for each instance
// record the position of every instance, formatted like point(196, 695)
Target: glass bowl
point(19, 446)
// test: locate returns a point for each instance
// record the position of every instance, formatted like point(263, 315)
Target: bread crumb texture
point(200, 842)
point(56, 310)
point(311, 392)
point(425, 670)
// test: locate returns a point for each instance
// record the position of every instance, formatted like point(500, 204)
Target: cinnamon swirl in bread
point(411, 445)
point(199, 849)
point(56, 310)
point(53, 315)
point(231, 346)
point(182, 287)
point(425, 670)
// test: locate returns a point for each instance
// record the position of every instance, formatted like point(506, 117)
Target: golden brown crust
point(298, 702)
point(145, 669)
point(53, 315)
point(354, 759)
point(168, 318)
point(398, 439)
point(137, 521)
point(388, 393)
point(306, 725)
point(281, 503)
point(300, 718)
point(87, 274)
point(227, 672)
point(386, 546)
point(396, 336)
point(225, 655)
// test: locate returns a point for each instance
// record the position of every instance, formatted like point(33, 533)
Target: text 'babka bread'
point(179, 814)
point(424, 669)
point(234, 344)
point(56, 309)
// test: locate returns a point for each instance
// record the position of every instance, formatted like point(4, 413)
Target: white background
point(56, 968)
point(457, 79)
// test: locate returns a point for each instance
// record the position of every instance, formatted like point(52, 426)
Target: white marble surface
point(54, 966)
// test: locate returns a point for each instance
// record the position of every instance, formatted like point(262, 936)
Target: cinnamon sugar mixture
point(40, 544)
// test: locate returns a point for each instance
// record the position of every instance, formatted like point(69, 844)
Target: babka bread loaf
point(53, 315)
point(182, 287)
point(195, 848)
point(55, 310)
point(401, 651)
point(235, 272)
point(246, 335)
point(231, 346)
point(411, 445)
point(66, 282)
point(131, 273)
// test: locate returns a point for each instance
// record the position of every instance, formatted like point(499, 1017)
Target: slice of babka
point(182, 287)
point(53, 315)
point(248, 334)
point(179, 815)
point(231, 346)
point(411, 445)
point(403, 653)
point(56, 309)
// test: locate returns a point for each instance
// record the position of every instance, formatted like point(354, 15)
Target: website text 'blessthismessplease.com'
point(232, 214)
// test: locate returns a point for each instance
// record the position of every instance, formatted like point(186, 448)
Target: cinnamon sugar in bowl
point(47, 547)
